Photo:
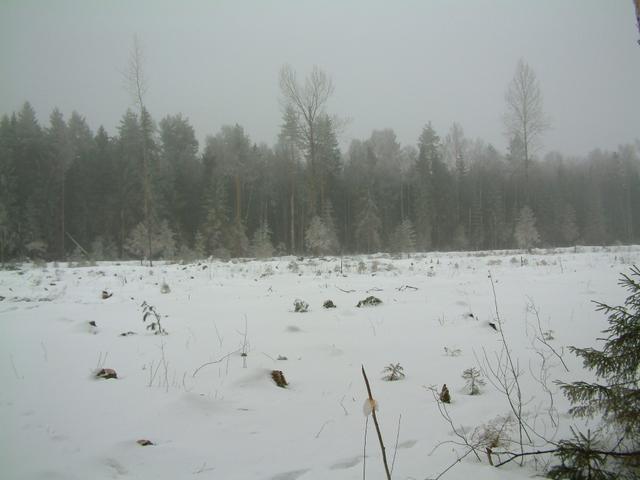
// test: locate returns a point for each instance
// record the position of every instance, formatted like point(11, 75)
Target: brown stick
point(375, 421)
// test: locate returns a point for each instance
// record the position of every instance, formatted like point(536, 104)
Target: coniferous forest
point(149, 189)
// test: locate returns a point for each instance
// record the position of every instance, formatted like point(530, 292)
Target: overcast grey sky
point(394, 64)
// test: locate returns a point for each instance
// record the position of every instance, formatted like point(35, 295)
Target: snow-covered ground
point(229, 420)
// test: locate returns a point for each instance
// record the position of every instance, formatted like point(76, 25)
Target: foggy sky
point(396, 64)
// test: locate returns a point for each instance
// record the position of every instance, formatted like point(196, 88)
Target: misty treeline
point(68, 192)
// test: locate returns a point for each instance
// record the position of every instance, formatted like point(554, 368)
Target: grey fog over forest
point(159, 129)
point(319, 239)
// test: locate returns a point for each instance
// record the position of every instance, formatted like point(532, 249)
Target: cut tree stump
point(106, 373)
point(278, 377)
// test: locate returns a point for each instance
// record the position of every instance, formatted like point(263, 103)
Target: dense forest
point(150, 190)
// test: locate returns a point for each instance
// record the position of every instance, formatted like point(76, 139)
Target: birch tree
point(525, 119)
point(308, 101)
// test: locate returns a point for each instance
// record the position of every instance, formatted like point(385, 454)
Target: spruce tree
point(368, 226)
point(613, 451)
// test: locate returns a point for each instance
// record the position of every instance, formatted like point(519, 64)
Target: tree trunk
point(292, 218)
point(238, 199)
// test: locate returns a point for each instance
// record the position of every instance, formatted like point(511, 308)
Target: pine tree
point(615, 397)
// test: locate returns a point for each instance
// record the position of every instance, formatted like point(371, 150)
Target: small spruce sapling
point(393, 372)
point(329, 304)
point(150, 311)
point(473, 379)
point(300, 306)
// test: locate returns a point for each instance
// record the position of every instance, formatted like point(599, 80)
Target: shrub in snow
point(452, 352)
point(278, 377)
point(393, 372)
point(164, 288)
point(144, 442)
point(473, 379)
point(267, 272)
point(293, 267)
point(300, 306)
point(370, 301)
point(494, 434)
point(329, 304)
point(155, 325)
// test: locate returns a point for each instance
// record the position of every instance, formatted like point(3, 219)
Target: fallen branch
point(406, 287)
point(345, 291)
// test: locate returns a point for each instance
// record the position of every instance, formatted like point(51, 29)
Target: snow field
point(231, 422)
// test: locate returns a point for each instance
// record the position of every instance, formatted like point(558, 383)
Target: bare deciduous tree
point(308, 101)
point(136, 84)
point(525, 118)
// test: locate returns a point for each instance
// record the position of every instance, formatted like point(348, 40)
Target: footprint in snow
point(292, 475)
point(116, 466)
point(407, 444)
point(344, 464)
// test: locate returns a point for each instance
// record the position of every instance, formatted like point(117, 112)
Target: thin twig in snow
point(215, 361)
point(322, 428)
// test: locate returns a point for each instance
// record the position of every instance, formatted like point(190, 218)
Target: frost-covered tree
point(236, 241)
point(261, 246)
point(403, 239)
point(163, 243)
point(320, 237)
point(526, 234)
point(368, 226)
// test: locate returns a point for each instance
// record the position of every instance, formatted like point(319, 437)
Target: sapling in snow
point(300, 306)
point(393, 372)
point(156, 325)
point(473, 379)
